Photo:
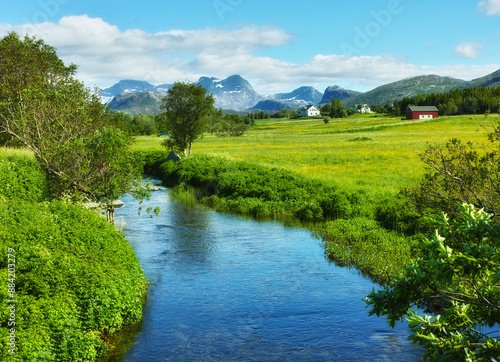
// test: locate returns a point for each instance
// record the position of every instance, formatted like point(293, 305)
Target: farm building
point(309, 111)
point(422, 112)
point(362, 108)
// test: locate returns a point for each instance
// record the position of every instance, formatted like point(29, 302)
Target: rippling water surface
point(225, 288)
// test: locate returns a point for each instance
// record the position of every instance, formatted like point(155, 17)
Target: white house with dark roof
point(309, 111)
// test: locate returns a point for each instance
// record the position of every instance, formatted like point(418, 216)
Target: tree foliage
point(62, 122)
point(459, 101)
point(231, 125)
point(186, 108)
point(138, 125)
point(459, 283)
point(335, 109)
point(461, 172)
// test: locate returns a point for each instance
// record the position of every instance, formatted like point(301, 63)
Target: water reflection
point(227, 288)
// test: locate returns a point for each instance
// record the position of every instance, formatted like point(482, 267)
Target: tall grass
point(6, 152)
point(21, 176)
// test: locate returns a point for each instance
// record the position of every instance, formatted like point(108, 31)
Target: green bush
point(336, 205)
point(310, 212)
point(272, 192)
point(456, 284)
point(78, 281)
point(362, 243)
point(152, 161)
point(400, 215)
point(22, 178)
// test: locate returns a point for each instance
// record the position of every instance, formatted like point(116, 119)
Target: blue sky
point(277, 45)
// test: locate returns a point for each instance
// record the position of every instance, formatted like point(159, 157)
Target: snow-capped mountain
point(233, 92)
point(293, 100)
point(131, 86)
point(308, 95)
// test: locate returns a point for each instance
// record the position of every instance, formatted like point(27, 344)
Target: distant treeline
point(218, 123)
point(455, 102)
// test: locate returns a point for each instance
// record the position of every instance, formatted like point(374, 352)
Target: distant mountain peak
point(303, 94)
point(131, 86)
point(234, 92)
point(337, 92)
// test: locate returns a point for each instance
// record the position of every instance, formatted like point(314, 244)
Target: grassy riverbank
point(340, 179)
point(75, 281)
point(343, 218)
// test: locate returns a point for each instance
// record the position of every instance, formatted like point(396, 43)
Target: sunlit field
point(6, 152)
point(379, 154)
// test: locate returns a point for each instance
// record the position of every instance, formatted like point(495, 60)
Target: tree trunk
point(190, 146)
point(110, 214)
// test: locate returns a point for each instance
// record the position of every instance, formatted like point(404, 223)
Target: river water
point(226, 288)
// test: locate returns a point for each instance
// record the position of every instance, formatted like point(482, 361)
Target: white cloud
point(468, 49)
point(90, 36)
point(105, 54)
point(490, 7)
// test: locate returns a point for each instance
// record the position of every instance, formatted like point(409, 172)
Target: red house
point(425, 112)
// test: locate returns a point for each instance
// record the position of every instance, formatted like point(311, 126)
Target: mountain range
point(236, 93)
point(425, 84)
point(131, 86)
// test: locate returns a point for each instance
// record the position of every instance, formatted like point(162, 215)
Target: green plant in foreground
point(77, 282)
point(362, 243)
point(460, 286)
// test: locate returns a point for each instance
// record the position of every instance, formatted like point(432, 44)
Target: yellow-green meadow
point(373, 152)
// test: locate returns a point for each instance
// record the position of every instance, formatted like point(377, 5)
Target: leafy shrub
point(310, 212)
point(22, 178)
point(166, 171)
point(362, 243)
point(271, 192)
point(77, 281)
point(336, 205)
point(152, 161)
point(461, 172)
point(461, 282)
point(400, 215)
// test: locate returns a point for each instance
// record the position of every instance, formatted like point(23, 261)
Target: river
point(227, 288)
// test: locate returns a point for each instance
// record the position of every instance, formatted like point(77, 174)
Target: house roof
point(423, 109)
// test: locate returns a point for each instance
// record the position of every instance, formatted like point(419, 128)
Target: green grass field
point(16, 153)
point(378, 154)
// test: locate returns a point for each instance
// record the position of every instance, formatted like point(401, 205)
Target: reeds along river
point(227, 288)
